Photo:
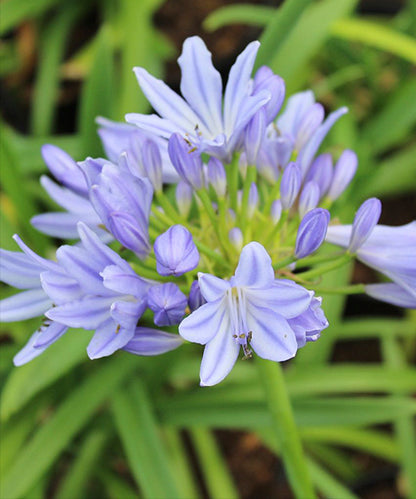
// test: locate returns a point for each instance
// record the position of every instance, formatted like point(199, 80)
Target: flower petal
point(201, 83)
point(236, 91)
point(60, 287)
point(87, 313)
point(48, 334)
point(212, 287)
point(19, 270)
point(148, 341)
point(285, 297)
point(107, 339)
point(167, 103)
point(254, 268)
point(392, 293)
point(220, 354)
point(24, 305)
point(204, 323)
point(124, 282)
point(272, 337)
point(32, 350)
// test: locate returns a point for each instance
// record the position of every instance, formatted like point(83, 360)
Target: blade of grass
point(214, 468)
point(13, 12)
point(53, 437)
point(137, 428)
point(52, 46)
point(394, 175)
point(400, 110)
point(74, 483)
point(376, 35)
point(241, 13)
point(27, 381)
point(404, 427)
point(306, 38)
point(98, 94)
point(183, 474)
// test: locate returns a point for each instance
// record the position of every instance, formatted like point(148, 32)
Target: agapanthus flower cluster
point(201, 225)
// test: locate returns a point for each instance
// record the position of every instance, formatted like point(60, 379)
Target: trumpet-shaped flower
point(389, 250)
point(251, 310)
point(212, 124)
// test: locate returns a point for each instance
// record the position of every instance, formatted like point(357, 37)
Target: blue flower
point(110, 298)
point(175, 252)
point(210, 122)
point(389, 250)
point(122, 202)
point(25, 271)
point(252, 309)
point(72, 196)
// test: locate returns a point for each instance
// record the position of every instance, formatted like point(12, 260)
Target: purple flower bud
point(152, 164)
point(253, 200)
point(168, 303)
point(276, 210)
point(290, 185)
point(216, 176)
point(195, 299)
point(236, 238)
point(311, 232)
point(365, 220)
point(321, 172)
point(184, 194)
point(345, 169)
point(309, 198)
point(175, 252)
point(186, 161)
point(254, 134)
point(265, 79)
point(310, 122)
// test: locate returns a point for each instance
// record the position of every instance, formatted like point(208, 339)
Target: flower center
point(238, 315)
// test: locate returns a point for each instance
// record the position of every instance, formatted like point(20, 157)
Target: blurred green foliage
point(113, 428)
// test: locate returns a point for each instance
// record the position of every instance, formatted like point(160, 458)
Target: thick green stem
point(250, 178)
point(323, 269)
point(285, 428)
point(354, 289)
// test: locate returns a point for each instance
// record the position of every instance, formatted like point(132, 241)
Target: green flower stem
point(284, 263)
point(316, 259)
point(168, 207)
point(272, 196)
point(232, 181)
point(342, 290)
point(206, 201)
point(147, 272)
point(285, 429)
point(206, 250)
point(323, 269)
point(251, 175)
point(277, 228)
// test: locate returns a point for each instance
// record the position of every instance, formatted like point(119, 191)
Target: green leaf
point(28, 380)
point(306, 38)
point(308, 412)
point(13, 12)
point(54, 436)
point(393, 123)
point(253, 15)
point(377, 36)
point(116, 487)
point(369, 327)
point(327, 484)
point(52, 46)
point(15, 189)
point(98, 94)
point(214, 468)
point(396, 174)
point(74, 483)
point(372, 442)
point(281, 24)
point(145, 451)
